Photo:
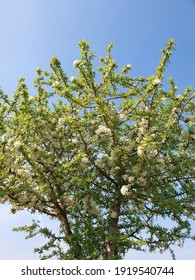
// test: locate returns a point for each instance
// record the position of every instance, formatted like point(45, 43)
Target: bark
point(111, 247)
point(73, 244)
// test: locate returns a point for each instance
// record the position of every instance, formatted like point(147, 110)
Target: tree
point(110, 160)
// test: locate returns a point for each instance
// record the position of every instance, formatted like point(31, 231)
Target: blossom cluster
point(156, 82)
point(76, 63)
point(55, 84)
point(73, 79)
point(143, 125)
point(122, 117)
point(124, 189)
point(85, 160)
point(103, 130)
point(140, 151)
point(17, 144)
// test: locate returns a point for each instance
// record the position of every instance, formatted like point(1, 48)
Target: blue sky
point(33, 31)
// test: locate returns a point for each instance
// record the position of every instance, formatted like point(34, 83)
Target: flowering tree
point(109, 161)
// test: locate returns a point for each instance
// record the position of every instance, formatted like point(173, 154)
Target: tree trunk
point(111, 247)
point(74, 245)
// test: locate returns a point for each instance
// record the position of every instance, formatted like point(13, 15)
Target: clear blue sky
point(32, 31)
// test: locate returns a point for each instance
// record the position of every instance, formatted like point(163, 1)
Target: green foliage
point(110, 161)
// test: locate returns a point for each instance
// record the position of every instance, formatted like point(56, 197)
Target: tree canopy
point(109, 156)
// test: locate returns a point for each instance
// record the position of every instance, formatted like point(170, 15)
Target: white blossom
point(23, 173)
point(163, 99)
point(142, 129)
point(156, 82)
point(152, 135)
point(72, 79)
point(122, 117)
point(135, 169)
point(113, 214)
point(61, 121)
point(129, 145)
point(131, 179)
point(22, 83)
point(31, 97)
point(177, 243)
point(142, 181)
point(176, 110)
point(76, 63)
point(124, 190)
point(10, 140)
point(144, 122)
point(103, 130)
point(122, 138)
point(34, 146)
point(125, 177)
point(17, 144)
point(4, 137)
point(129, 66)
point(84, 160)
point(55, 84)
point(140, 151)
point(154, 128)
point(154, 152)
point(74, 141)
point(117, 168)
